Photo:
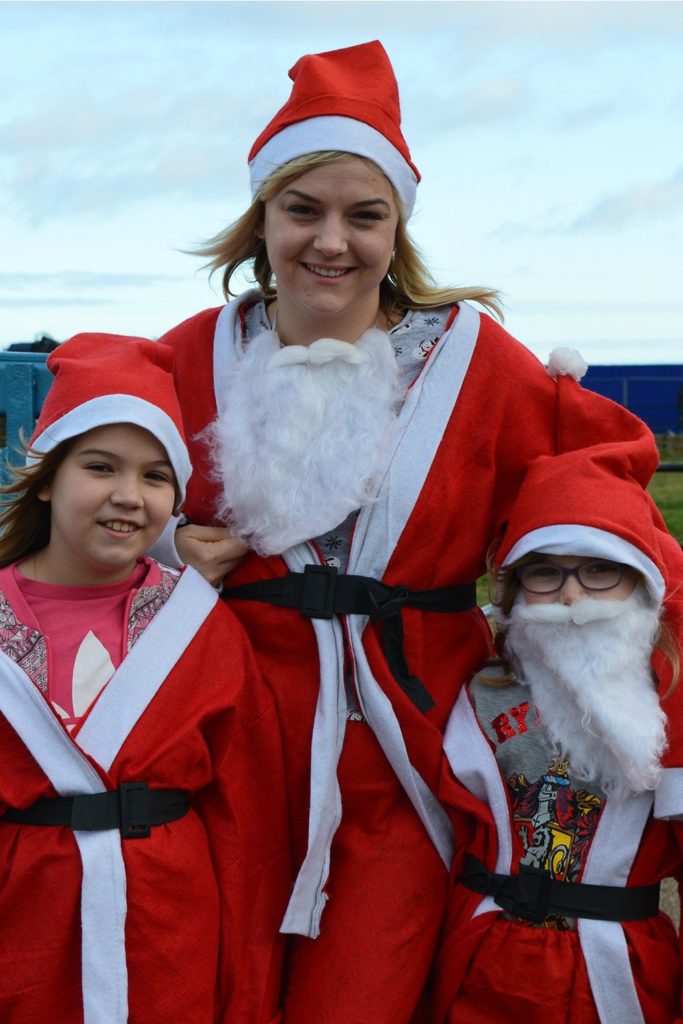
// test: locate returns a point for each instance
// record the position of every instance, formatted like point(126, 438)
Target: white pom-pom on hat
point(566, 362)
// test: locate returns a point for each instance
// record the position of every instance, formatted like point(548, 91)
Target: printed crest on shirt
point(554, 817)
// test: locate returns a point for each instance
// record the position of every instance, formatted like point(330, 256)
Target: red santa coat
point(492, 970)
point(481, 410)
point(181, 926)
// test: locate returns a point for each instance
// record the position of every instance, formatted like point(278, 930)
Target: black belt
point(319, 592)
point(132, 808)
point(533, 894)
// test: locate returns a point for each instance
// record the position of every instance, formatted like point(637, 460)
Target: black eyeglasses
point(547, 578)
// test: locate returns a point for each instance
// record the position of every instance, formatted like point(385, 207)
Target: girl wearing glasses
point(563, 765)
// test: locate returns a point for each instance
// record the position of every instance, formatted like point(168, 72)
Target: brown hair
point(24, 518)
point(504, 587)
point(407, 285)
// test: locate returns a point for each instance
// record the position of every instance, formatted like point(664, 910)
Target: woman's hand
point(211, 550)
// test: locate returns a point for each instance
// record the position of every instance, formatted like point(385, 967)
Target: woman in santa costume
point(144, 867)
point(563, 763)
point(361, 432)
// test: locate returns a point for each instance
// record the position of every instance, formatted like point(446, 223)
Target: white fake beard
point(301, 447)
point(588, 668)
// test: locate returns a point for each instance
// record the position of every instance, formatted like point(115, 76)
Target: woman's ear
point(261, 231)
point(44, 494)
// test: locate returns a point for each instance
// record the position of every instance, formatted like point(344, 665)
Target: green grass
point(670, 447)
point(667, 488)
point(667, 491)
point(483, 591)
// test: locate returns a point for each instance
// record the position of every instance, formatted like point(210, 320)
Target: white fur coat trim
point(139, 676)
point(122, 702)
point(103, 889)
point(418, 433)
point(669, 794)
point(610, 860)
point(473, 762)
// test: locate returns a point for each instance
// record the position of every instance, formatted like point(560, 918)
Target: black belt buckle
point(318, 591)
point(526, 895)
point(134, 807)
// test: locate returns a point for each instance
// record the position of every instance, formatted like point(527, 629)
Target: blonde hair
point(504, 586)
point(407, 285)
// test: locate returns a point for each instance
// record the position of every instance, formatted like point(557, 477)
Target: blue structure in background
point(24, 383)
point(655, 393)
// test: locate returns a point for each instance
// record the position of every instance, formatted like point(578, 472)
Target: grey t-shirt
point(553, 815)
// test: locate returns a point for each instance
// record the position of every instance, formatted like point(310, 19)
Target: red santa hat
point(591, 502)
point(109, 378)
point(343, 100)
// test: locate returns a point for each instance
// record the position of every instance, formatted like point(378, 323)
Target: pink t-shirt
point(86, 631)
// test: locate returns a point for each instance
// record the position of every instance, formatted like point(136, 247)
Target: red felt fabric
point(508, 412)
point(357, 82)
point(205, 893)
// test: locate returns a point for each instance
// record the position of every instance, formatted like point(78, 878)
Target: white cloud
point(41, 302)
point(80, 279)
point(648, 202)
point(542, 129)
point(657, 200)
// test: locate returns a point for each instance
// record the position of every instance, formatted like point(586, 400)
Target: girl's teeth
point(120, 527)
point(326, 273)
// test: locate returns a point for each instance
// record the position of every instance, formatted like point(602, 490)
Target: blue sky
point(549, 136)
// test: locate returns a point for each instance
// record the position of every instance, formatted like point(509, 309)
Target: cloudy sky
point(549, 136)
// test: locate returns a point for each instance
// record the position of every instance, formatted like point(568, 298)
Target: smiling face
point(110, 498)
point(329, 236)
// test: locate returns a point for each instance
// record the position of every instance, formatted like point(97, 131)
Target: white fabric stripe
point(122, 702)
point(144, 669)
point(420, 428)
point(611, 856)
point(669, 794)
point(419, 431)
point(609, 972)
point(609, 862)
point(103, 920)
point(382, 719)
point(475, 765)
point(308, 900)
point(35, 723)
point(103, 903)
point(227, 344)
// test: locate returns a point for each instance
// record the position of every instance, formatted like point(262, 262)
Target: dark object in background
point(44, 343)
